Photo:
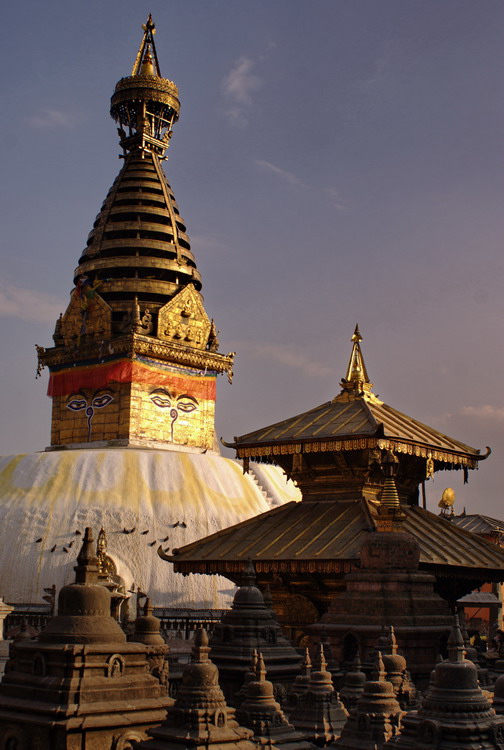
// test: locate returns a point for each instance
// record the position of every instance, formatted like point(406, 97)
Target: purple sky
point(336, 161)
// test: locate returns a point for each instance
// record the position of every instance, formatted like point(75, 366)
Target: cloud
point(238, 87)
point(289, 356)
point(334, 195)
point(487, 411)
point(28, 304)
point(52, 119)
point(293, 179)
point(279, 172)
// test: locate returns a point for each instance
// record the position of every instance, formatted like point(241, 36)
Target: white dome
point(54, 494)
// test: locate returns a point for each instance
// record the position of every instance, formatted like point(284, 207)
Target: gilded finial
point(356, 382)
point(357, 334)
point(390, 510)
point(447, 502)
point(145, 109)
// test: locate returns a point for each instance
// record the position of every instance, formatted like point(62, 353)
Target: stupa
point(200, 717)
point(247, 627)
point(454, 712)
point(80, 684)
point(338, 455)
point(353, 684)
point(263, 714)
point(133, 372)
point(319, 714)
point(376, 718)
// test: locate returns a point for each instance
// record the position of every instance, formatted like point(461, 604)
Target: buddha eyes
point(182, 403)
point(77, 404)
point(164, 403)
point(186, 406)
point(101, 401)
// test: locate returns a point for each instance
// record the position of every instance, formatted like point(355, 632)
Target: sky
point(336, 162)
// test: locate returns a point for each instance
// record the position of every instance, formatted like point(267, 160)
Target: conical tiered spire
point(136, 317)
point(390, 511)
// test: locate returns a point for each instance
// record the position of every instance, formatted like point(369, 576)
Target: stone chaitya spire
point(454, 713)
point(147, 631)
point(200, 716)
point(261, 713)
point(301, 682)
point(80, 684)
point(396, 669)
point(376, 717)
point(353, 685)
point(319, 713)
point(250, 625)
point(135, 357)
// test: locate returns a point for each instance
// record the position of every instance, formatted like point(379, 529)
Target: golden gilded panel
point(91, 414)
point(183, 320)
point(87, 314)
point(170, 406)
point(172, 415)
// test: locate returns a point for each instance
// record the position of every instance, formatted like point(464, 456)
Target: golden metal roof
point(356, 412)
point(321, 532)
point(479, 524)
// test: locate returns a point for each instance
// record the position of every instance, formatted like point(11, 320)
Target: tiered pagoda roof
point(356, 418)
point(338, 455)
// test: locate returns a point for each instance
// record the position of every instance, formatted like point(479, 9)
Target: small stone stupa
point(319, 714)
point(301, 683)
point(80, 683)
point(396, 670)
point(147, 631)
point(454, 713)
point(376, 717)
point(250, 625)
point(263, 714)
point(353, 685)
point(200, 717)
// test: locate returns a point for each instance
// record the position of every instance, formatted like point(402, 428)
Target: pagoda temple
point(359, 464)
point(133, 373)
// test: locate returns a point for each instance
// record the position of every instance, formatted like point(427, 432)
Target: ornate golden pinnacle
point(145, 105)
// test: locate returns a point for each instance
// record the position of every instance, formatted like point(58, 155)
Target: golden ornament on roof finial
point(357, 334)
point(447, 502)
point(150, 25)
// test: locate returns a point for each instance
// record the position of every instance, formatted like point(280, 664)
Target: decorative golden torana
point(135, 355)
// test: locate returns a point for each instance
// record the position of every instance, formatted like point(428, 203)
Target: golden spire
point(145, 50)
point(145, 105)
point(356, 380)
point(389, 509)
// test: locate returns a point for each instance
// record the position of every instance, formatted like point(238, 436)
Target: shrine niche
point(183, 320)
point(86, 315)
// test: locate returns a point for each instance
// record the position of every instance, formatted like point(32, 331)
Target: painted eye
point(76, 404)
point(164, 403)
point(101, 401)
point(187, 406)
